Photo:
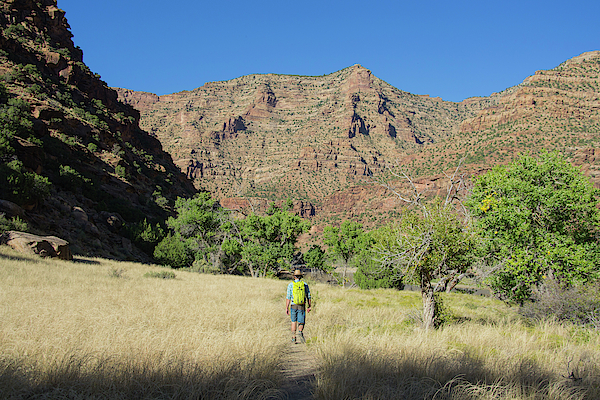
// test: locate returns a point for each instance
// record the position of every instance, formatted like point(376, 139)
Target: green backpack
point(299, 293)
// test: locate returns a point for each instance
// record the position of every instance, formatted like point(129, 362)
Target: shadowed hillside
point(73, 156)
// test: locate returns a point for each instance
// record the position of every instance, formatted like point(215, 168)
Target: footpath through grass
point(111, 330)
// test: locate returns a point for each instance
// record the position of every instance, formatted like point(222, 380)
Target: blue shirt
point(290, 290)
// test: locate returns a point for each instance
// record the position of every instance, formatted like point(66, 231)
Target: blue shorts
point(298, 315)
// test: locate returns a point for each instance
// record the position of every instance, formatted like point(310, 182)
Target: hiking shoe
point(293, 340)
point(301, 337)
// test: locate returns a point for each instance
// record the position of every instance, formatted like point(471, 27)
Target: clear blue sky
point(452, 49)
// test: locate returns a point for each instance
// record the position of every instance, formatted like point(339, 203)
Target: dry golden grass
point(370, 348)
point(78, 330)
point(100, 329)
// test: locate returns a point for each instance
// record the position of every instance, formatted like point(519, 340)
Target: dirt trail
point(298, 372)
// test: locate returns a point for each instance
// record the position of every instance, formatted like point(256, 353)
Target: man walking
point(296, 300)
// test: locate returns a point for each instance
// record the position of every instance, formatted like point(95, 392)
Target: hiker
point(296, 300)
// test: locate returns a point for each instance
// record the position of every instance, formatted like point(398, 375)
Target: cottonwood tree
point(430, 243)
point(265, 244)
point(196, 233)
point(346, 242)
point(539, 219)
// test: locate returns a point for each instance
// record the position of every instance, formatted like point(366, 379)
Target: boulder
point(45, 246)
point(11, 209)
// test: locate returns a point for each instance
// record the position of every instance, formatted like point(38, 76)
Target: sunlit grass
point(76, 327)
point(110, 330)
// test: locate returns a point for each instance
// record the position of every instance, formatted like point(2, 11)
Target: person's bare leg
point(300, 329)
point(294, 325)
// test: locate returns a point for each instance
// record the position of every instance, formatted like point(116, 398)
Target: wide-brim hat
point(298, 273)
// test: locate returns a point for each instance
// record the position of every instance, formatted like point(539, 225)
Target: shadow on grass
point(19, 258)
point(356, 374)
point(84, 261)
point(93, 379)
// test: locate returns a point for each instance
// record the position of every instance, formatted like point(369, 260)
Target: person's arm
point(287, 306)
point(309, 301)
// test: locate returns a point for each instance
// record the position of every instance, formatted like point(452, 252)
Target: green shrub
point(160, 274)
point(13, 224)
point(21, 186)
point(372, 276)
point(92, 147)
point(145, 235)
point(173, 251)
point(70, 178)
point(120, 171)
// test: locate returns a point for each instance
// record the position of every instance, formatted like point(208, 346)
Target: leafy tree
point(346, 242)
point(265, 244)
point(434, 245)
point(539, 219)
point(316, 258)
point(197, 228)
point(430, 245)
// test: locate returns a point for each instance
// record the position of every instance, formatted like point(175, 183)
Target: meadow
point(101, 329)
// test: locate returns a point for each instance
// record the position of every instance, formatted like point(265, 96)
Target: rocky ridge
point(319, 139)
point(275, 136)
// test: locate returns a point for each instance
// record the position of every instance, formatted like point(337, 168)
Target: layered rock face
point(317, 138)
point(276, 136)
point(86, 142)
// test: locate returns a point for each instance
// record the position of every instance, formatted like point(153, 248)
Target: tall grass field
point(100, 329)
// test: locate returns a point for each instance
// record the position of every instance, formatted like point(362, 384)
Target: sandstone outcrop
point(45, 246)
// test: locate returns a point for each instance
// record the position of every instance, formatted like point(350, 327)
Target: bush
point(372, 276)
point(20, 186)
point(70, 178)
point(579, 305)
point(145, 235)
point(13, 224)
point(173, 251)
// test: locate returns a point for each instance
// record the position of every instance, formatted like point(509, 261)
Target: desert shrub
point(172, 251)
point(12, 224)
point(577, 304)
point(116, 272)
point(205, 267)
point(145, 235)
point(160, 274)
point(70, 178)
point(92, 147)
point(20, 186)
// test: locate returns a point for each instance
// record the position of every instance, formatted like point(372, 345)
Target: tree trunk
point(427, 293)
